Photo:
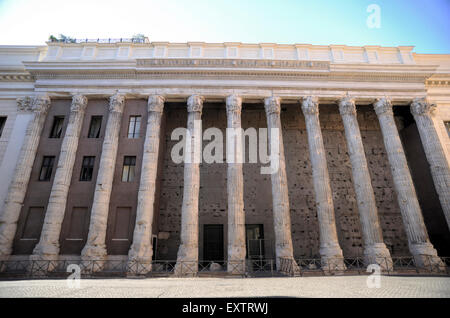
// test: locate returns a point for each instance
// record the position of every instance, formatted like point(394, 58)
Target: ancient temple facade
point(90, 131)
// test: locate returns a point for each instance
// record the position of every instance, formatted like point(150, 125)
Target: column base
point(237, 267)
point(332, 260)
point(139, 266)
point(185, 268)
point(93, 258)
point(425, 256)
point(187, 260)
point(41, 264)
point(378, 254)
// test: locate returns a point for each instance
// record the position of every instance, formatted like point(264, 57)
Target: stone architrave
point(187, 257)
point(375, 251)
point(48, 246)
point(423, 112)
point(235, 187)
point(95, 248)
point(416, 232)
point(39, 105)
point(141, 251)
point(280, 198)
point(330, 251)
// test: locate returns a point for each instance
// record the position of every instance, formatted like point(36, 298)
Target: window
point(447, 125)
point(46, 168)
point(2, 125)
point(134, 126)
point(129, 164)
point(57, 127)
point(87, 168)
point(95, 127)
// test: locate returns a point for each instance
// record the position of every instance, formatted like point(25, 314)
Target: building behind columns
point(108, 72)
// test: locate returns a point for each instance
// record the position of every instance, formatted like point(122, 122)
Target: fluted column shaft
point(187, 258)
point(95, 247)
point(419, 243)
point(374, 248)
point(329, 245)
point(19, 184)
point(142, 250)
point(440, 170)
point(280, 196)
point(235, 187)
point(48, 246)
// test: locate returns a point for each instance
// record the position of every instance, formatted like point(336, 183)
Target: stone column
point(141, 251)
point(48, 246)
point(423, 114)
point(235, 187)
point(187, 258)
point(419, 243)
point(95, 248)
point(330, 251)
point(280, 198)
point(19, 184)
point(375, 251)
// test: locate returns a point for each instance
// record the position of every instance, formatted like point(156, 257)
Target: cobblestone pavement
point(343, 286)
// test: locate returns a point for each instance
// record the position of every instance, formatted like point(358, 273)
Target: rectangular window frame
point(87, 168)
point(129, 169)
point(3, 120)
point(46, 171)
point(134, 126)
point(57, 127)
point(92, 133)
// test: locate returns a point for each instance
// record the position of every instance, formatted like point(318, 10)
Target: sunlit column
point(330, 251)
point(141, 251)
point(16, 194)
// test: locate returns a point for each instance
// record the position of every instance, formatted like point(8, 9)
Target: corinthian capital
point(41, 103)
point(24, 104)
point(347, 106)
point(234, 104)
point(79, 103)
point(195, 103)
point(310, 105)
point(420, 106)
point(383, 106)
point(116, 103)
point(156, 103)
point(272, 105)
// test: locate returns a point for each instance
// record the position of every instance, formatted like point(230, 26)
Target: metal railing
point(249, 268)
point(109, 40)
point(426, 265)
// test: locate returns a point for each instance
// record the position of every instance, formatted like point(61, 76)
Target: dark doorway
point(255, 241)
point(423, 181)
point(213, 242)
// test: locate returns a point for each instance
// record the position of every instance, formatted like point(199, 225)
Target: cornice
point(229, 69)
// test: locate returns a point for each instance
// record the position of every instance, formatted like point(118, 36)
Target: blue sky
point(424, 24)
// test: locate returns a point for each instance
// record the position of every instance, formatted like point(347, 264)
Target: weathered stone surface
point(419, 243)
point(280, 198)
point(187, 258)
point(235, 189)
point(375, 250)
point(423, 112)
point(95, 248)
point(39, 105)
point(141, 250)
point(329, 245)
point(48, 246)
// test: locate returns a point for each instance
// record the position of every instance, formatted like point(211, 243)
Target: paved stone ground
point(343, 286)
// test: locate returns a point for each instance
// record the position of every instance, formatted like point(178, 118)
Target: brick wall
point(257, 187)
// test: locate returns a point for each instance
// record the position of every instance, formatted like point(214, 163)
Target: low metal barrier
point(426, 265)
point(247, 268)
